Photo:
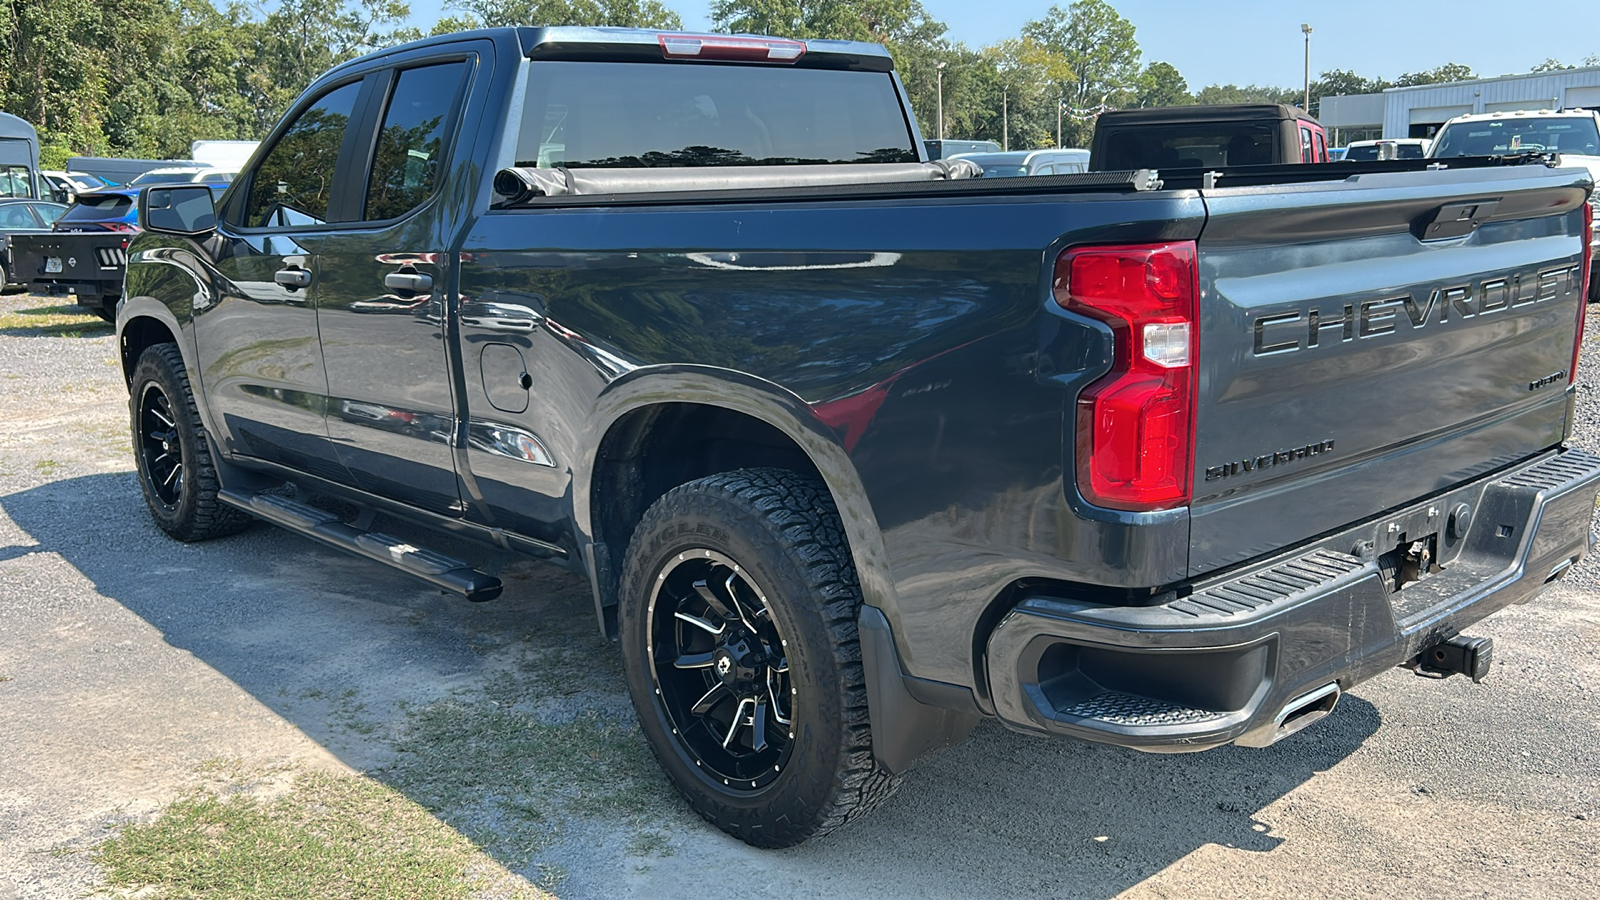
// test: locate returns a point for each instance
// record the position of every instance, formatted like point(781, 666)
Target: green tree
point(1161, 84)
point(914, 39)
point(1439, 75)
point(1099, 46)
point(1030, 75)
point(1339, 83)
point(1551, 64)
point(190, 57)
point(1342, 82)
point(301, 39)
point(53, 73)
point(615, 13)
point(1250, 93)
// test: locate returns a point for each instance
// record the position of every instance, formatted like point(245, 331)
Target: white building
point(1419, 111)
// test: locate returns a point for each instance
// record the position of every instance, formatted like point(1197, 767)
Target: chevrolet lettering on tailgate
point(1297, 330)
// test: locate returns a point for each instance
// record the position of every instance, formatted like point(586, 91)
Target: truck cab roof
point(573, 42)
point(1219, 112)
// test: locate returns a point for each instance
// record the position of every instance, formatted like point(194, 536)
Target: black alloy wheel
point(172, 453)
point(721, 667)
point(160, 446)
point(737, 609)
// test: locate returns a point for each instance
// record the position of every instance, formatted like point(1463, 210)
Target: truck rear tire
point(173, 455)
point(738, 619)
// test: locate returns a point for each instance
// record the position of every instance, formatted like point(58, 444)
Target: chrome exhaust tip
point(1295, 715)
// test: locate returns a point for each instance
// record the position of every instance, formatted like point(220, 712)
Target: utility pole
point(1005, 117)
point(1307, 29)
point(1061, 103)
point(939, 69)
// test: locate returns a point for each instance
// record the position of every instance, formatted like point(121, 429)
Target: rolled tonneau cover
point(520, 182)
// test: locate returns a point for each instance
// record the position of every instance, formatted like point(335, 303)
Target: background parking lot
point(135, 670)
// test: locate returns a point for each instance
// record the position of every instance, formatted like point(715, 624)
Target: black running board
point(444, 572)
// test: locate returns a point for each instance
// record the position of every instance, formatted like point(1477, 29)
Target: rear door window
point(412, 142)
point(1305, 145)
point(634, 115)
point(293, 185)
point(47, 213)
point(16, 215)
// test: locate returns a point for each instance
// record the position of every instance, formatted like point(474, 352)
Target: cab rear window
point(1211, 144)
point(646, 115)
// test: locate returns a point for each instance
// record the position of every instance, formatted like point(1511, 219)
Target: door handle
point(293, 279)
point(504, 317)
point(414, 282)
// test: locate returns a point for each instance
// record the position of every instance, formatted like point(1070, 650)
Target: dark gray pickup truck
point(857, 449)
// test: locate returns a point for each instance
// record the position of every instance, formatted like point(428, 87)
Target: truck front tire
point(738, 620)
point(171, 451)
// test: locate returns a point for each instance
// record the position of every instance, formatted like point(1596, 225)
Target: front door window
point(294, 183)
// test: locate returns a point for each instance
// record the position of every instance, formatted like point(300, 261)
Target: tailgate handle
point(1454, 220)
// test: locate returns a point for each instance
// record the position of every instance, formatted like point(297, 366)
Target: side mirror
point(186, 210)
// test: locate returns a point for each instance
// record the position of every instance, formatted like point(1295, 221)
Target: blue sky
point(1259, 42)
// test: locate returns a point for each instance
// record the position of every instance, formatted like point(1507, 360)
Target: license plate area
point(52, 265)
point(1409, 561)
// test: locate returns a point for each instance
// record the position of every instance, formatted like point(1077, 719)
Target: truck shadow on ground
point(509, 720)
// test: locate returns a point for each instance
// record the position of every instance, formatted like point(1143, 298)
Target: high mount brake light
point(1587, 259)
point(738, 49)
point(1135, 447)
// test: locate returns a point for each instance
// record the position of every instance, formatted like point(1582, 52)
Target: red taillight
point(1136, 425)
point(739, 49)
point(1583, 295)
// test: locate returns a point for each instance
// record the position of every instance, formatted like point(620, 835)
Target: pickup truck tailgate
point(1355, 356)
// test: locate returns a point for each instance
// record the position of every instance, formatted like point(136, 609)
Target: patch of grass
point(47, 466)
point(54, 320)
point(545, 742)
point(329, 836)
point(551, 876)
point(650, 843)
point(460, 754)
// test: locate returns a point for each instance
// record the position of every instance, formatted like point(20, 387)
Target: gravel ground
point(127, 661)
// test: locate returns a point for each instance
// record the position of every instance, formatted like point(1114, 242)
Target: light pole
point(939, 70)
point(1005, 117)
point(1307, 29)
point(1061, 103)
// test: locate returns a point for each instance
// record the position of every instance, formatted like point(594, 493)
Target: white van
point(1012, 163)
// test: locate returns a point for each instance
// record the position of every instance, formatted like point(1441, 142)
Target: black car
point(23, 215)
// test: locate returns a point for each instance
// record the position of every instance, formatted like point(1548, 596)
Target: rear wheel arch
point(645, 445)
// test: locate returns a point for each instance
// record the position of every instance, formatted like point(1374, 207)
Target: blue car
point(112, 209)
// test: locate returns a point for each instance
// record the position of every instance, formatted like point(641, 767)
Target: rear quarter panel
point(917, 335)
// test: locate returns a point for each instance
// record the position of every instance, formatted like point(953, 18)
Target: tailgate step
point(1313, 573)
point(1555, 472)
point(444, 572)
